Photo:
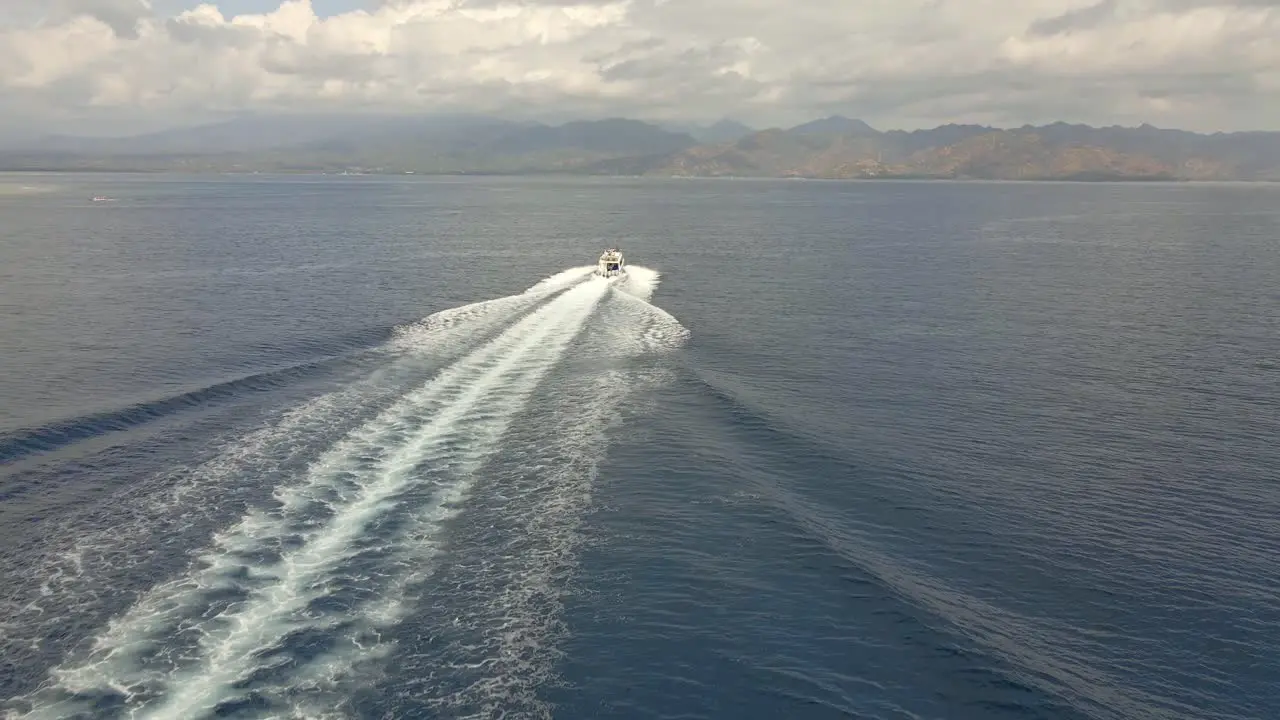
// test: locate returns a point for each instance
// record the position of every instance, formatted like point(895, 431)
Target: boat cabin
point(611, 263)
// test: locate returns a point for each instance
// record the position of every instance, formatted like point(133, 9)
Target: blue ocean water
point(378, 447)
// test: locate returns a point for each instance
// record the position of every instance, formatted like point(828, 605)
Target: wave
point(302, 591)
point(16, 444)
point(1032, 652)
point(75, 571)
point(55, 435)
point(497, 635)
point(1058, 661)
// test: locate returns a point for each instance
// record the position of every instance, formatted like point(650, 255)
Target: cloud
point(1083, 18)
point(122, 16)
point(1203, 64)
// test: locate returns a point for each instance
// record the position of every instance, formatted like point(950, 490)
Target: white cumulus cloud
point(1201, 64)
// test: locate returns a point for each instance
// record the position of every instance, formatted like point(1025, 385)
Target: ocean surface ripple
point(384, 447)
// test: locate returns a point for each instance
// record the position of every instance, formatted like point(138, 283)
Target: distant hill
point(842, 148)
point(616, 136)
point(834, 125)
point(243, 134)
point(361, 144)
point(831, 147)
point(724, 130)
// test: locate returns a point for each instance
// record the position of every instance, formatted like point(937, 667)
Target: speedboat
point(611, 264)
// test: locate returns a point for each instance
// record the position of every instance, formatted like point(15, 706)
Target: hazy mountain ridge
point(833, 147)
point(841, 148)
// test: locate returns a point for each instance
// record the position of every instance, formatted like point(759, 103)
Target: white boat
point(611, 264)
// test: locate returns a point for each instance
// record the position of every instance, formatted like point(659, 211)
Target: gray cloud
point(1193, 63)
point(122, 16)
point(211, 37)
point(1083, 18)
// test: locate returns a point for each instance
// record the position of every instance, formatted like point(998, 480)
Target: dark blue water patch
point(880, 512)
point(344, 353)
point(761, 609)
point(142, 462)
point(252, 705)
point(45, 487)
point(295, 649)
point(19, 443)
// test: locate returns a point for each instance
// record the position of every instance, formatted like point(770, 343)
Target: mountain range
point(833, 147)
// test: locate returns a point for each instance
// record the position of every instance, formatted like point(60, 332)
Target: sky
point(115, 66)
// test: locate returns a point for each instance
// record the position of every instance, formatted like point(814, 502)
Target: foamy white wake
point(498, 640)
point(639, 281)
point(339, 554)
point(448, 327)
point(71, 576)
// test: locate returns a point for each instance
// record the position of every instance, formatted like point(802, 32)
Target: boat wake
point(451, 508)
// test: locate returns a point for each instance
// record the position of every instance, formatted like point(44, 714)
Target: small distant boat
point(611, 264)
point(101, 198)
